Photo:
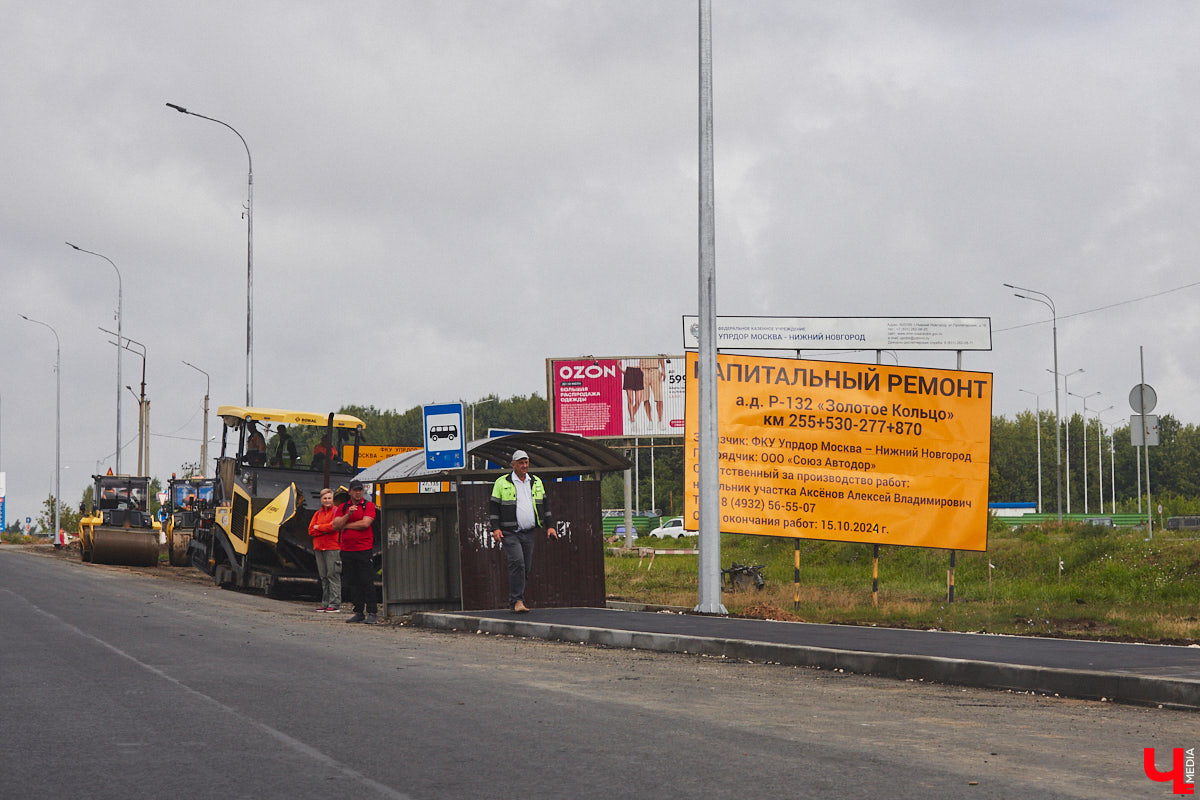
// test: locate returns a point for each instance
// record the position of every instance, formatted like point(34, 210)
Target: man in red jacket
point(328, 552)
point(354, 518)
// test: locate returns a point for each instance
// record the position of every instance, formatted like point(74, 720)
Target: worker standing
point(328, 551)
point(516, 512)
point(354, 519)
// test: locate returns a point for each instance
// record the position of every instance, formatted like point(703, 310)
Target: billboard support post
point(628, 508)
point(950, 578)
point(796, 576)
point(875, 576)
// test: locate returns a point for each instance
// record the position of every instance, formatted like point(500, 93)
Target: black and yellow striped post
point(875, 576)
point(950, 578)
point(796, 579)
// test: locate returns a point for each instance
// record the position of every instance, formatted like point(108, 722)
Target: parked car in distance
point(671, 528)
point(620, 531)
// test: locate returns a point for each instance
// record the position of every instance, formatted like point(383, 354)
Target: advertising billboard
point(616, 397)
point(847, 452)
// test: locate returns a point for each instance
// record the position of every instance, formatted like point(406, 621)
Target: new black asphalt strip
point(1143, 674)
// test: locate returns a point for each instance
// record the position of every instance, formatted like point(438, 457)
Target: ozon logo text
point(567, 371)
point(1182, 774)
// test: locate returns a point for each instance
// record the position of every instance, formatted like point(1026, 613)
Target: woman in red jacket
point(328, 550)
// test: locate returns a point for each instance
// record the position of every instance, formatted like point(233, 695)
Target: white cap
point(517, 456)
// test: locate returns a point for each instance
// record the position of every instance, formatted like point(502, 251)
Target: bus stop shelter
point(436, 543)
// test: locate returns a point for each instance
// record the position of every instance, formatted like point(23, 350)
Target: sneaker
point(356, 618)
point(333, 609)
point(319, 609)
point(371, 619)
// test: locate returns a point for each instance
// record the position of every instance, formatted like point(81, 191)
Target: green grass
point(1113, 584)
point(20, 538)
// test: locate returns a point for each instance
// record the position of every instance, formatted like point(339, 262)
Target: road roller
point(187, 500)
point(255, 533)
point(120, 529)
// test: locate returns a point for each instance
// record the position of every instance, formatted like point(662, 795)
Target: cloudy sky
point(446, 194)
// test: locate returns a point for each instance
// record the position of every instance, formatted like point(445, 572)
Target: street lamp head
point(180, 109)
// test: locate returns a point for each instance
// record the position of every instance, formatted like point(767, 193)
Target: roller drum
point(127, 546)
point(177, 549)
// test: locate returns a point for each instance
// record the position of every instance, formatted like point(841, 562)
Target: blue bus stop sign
point(445, 446)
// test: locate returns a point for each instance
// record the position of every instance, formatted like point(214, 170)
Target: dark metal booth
point(435, 541)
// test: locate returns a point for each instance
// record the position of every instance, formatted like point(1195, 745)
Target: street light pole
point(204, 441)
point(1068, 473)
point(477, 403)
point(1068, 434)
point(1100, 452)
point(1085, 398)
point(1045, 300)
point(57, 422)
point(1037, 398)
point(120, 314)
point(249, 251)
point(1112, 465)
point(143, 404)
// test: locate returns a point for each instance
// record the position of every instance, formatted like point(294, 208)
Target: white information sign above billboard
point(845, 333)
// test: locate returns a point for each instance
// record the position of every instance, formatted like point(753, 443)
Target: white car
point(670, 529)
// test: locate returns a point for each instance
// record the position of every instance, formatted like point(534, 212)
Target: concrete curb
point(1178, 693)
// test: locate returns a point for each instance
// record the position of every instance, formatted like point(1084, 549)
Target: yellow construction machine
point(120, 528)
point(255, 534)
point(187, 500)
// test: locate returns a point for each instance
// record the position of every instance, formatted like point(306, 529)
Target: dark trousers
point(518, 549)
point(358, 574)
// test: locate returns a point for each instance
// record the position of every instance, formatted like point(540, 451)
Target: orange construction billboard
point(846, 452)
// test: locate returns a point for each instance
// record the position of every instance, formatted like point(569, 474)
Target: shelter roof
point(550, 455)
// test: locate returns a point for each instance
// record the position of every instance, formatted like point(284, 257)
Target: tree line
point(1174, 462)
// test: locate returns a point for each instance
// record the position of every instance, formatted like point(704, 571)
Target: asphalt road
point(115, 684)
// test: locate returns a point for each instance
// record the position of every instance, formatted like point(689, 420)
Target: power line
point(1102, 308)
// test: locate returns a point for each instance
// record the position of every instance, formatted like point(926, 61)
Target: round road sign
point(1135, 398)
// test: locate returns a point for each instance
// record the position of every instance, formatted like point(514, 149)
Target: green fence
point(643, 524)
point(1116, 520)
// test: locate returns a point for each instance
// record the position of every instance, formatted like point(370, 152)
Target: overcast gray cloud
point(446, 194)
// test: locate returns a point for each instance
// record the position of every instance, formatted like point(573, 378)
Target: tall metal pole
point(1145, 442)
point(204, 441)
point(709, 501)
point(1085, 398)
point(1068, 437)
point(120, 314)
point(1112, 465)
point(57, 422)
point(1037, 401)
point(143, 403)
point(1049, 303)
point(249, 251)
point(1100, 454)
